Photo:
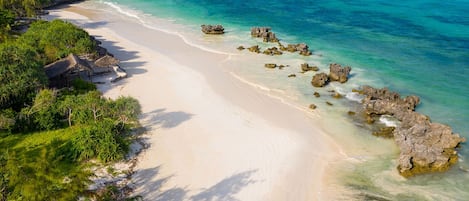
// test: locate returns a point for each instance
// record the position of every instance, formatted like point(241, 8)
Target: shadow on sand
point(165, 119)
point(225, 190)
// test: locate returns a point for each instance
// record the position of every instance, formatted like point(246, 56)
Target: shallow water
point(416, 47)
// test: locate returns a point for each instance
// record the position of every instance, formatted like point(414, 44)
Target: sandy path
point(211, 136)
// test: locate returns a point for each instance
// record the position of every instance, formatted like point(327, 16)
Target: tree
point(22, 8)
point(7, 18)
point(68, 106)
point(125, 110)
point(44, 109)
point(99, 140)
point(21, 75)
point(57, 39)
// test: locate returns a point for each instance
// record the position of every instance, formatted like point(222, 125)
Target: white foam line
point(144, 23)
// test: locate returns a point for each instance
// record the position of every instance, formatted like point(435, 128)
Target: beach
point(210, 136)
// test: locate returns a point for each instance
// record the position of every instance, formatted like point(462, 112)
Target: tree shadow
point(165, 119)
point(226, 189)
point(152, 189)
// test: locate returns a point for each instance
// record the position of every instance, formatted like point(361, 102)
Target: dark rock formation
point(264, 33)
point(337, 95)
point(270, 65)
point(213, 29)
point(306, 67)
point(56, 3)
point(240, 48)
point(329, 103)
point(272, 51)
point(339, 73)
point(320, 80)
point(255, 49)
point(292, 75)
point(425, 146)
point(316, 94)
point(312, 106)
point(302, 48)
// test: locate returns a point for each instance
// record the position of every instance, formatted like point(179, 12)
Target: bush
point(57, 39)
point(99, 140)
point(21, 75)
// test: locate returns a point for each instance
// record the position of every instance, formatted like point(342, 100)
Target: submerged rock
point(213, 29)
point(272, 51)
point(240, 48)
point(425, 146)
point(312, 106)
point(255, 49)
point(306, 67)
point(320, 80)
point(316, 94)
point(292, 75)
point(339, 73)
point(270, 65)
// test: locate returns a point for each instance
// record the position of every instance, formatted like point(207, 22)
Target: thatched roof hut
point(61, 72)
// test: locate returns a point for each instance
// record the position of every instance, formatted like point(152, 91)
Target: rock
point(292, 75)
point(320, 80)
point(337, 95)
point(385, 132)
point(424, 146)
point(329, 103)
point(306, 67)
point(351, 113)
point(316, 94)
point(255, 49)
point(339, 73)
point(240, 48)
point(312, 106)
point(272, 51)
point(213, 29)
point(270, 65)
point(264, 33)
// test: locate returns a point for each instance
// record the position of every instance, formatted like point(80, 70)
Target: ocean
point(416, 47)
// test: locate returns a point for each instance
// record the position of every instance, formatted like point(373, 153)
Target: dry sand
point(210, 136)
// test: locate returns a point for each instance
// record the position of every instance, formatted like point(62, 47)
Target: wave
point(136, 15)
point(388, 121)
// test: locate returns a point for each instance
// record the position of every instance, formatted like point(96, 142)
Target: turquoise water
point(416, 47)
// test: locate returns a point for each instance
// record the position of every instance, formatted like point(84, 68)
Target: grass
point(36, 166)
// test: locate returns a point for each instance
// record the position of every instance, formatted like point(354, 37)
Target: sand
point(210, 136)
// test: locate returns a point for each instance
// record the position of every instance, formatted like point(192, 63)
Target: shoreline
point(209, 133)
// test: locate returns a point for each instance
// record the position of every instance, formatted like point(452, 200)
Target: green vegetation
point(57, 39)
point(48, 137)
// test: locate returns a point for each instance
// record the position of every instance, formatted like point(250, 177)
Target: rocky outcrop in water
point(255, 49)
point(425, 146)
point(306, 67)
point(301, 47)
point(339, 73)
point(320, 80)
point(264, 33)
point(272, 51)
point(213, 29)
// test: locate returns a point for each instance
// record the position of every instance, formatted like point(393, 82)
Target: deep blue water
point(416, 47)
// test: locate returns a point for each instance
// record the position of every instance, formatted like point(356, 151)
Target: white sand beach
point(210, 136)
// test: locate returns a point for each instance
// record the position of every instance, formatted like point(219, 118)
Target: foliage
point(99, 140)
point(57, 39)
point(22, 7)
point(7, 18)
point(7, 120)
point(21, 75)
point(33, 167)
